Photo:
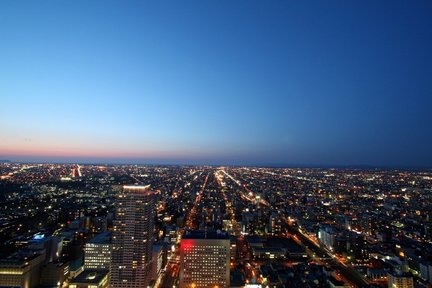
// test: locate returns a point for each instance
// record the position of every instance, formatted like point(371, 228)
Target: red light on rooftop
point(186, 244)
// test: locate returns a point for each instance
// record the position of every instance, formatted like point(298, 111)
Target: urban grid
point(95, 226)
point(215, 144)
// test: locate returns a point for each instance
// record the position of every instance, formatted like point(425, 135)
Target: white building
point(327, 237)
point(205, 260)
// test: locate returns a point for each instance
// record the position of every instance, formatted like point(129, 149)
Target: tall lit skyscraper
point(205, 260)
point(132, 237)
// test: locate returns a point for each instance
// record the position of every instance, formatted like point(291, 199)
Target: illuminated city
point(277, 226)
point(215, 144)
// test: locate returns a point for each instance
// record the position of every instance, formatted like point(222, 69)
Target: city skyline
point(221, 83)
point(86, 226)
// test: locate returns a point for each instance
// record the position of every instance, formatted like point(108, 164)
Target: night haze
point(224, 82)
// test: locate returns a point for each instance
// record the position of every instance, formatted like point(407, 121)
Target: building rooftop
point(205, 235)
point(137, 187)
point(140, 189)
point(90, 276)
point(20, 258)
point(102, 238)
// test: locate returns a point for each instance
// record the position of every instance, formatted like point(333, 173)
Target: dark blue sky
point(219, 82)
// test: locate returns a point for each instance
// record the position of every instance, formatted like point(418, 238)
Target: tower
point(132, 237)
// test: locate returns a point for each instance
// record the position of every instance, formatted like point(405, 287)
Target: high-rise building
point(132, 237)
point(97, 252)
point(205, 260)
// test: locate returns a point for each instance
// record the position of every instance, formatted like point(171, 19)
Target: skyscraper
point(205, 260)
point(132, 237)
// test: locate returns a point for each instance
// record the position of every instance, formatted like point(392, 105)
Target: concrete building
point(426, 271)
point(51, 246)
point(400, 280)
point(54, 274)
point(91, 278)
point(99, 224)
point(157, 260)
point(327, 237)
point(21, 270)
point(205, 260)
point(97, 252)
point(133, 237)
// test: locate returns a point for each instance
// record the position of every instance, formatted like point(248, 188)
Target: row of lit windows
point(201, 273)
point(204, 265)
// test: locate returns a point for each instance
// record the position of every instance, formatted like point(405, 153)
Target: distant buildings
point(274, 248)
point(132, 237)
point(205, 260)
point(377, 223)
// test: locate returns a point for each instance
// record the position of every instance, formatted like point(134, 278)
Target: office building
point(157, 260)
point(327, 237)
point(54, 274)
point(91, 278)
point(50, 245)
point(400, 280)
point(97, 252)
point(132, 237)
point(205, 260)
point(21, 270)
point(426, 271)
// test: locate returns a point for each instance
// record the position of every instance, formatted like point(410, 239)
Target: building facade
point(21, 270)
point(97, 252)
point(205, 260)
point(398, 280)
point(132, 237)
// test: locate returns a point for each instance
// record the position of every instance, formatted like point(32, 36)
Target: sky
point(307, 83)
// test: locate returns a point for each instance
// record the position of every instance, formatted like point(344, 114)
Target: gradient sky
point(218, 82)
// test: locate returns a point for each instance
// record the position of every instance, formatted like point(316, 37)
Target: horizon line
point(251, 165)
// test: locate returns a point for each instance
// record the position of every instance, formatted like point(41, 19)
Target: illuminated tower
point(205, 260)
point(132, 237)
